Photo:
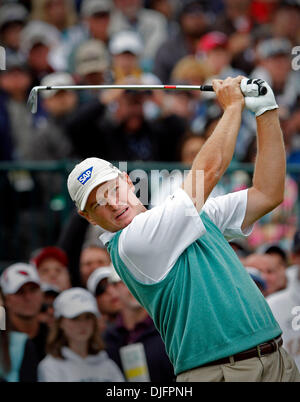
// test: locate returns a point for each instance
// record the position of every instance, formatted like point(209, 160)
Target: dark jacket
point(94, 134)
point(159, 365)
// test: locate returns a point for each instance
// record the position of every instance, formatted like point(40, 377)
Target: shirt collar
point(106, 237)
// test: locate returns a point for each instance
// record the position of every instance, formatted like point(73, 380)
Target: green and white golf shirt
point(180, 267)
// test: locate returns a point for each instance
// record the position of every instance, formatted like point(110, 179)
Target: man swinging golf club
point(175, 258)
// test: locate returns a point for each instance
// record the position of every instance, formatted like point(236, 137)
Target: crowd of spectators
point(69, 315)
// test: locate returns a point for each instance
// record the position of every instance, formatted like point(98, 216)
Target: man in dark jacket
point(133, 325)
point(125, 133)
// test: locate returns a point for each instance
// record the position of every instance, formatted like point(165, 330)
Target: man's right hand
point(229, 92)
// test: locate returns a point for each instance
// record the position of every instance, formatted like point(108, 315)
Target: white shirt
point(282, 304)
point(151, 244)
point(74, 368)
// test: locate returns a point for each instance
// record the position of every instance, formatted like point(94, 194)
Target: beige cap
point(91, 57)
point(87, 175)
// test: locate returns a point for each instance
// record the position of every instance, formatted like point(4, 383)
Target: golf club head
point(33, 100)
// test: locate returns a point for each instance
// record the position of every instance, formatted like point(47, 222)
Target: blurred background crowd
point(67, 42)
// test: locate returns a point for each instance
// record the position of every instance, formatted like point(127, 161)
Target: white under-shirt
point(151, 244)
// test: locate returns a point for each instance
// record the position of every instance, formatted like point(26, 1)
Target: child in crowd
point(75, 351)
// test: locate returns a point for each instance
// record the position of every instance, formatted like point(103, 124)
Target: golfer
point(175, 258)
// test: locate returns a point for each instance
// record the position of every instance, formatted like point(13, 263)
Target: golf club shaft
point(129, 87)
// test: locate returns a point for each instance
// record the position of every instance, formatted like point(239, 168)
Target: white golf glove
point(259, 97)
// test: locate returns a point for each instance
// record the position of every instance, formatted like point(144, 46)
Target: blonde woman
point(75, 351)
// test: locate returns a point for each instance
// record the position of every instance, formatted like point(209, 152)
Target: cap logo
point(23, 273)
point(85, 176)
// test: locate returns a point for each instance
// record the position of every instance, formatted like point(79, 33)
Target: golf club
point(33, 97)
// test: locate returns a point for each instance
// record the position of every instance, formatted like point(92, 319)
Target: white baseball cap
point(75, 301)
point(53, 79)
point(126, 41)
point(17, 275)
point(87, 175)
point(97, 276)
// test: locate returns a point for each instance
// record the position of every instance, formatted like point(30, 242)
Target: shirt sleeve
point(228, 212)
point(154, 240)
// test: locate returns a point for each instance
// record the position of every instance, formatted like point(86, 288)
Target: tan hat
point(87, 175)
point(91, 57)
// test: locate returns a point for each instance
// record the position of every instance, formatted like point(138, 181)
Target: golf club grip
point(207, 88)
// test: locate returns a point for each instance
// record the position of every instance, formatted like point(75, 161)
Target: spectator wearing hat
point(21, 289)
point(97, 17)
point(38, 40)
point(194, 22)
point(75, 351)
point(149, 24)
point(50, 140)
point(213, 49)
point(133, 325)
point(52, 265)
point(101, 284)
point(92, 257)
point(12, 20)
point(285, 304)
point(15, 133)
point(92, 67)
point(126, 48)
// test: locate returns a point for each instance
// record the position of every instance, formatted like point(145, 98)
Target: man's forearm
point(216, 154)
point(270, 166)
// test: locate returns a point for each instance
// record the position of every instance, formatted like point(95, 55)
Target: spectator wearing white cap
point(15, 133)
point(38, 40)
point(12, 19)
point(101, 284)
point(21, 289)
point(126, 48)
point(149, 24)
point(75, 349)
